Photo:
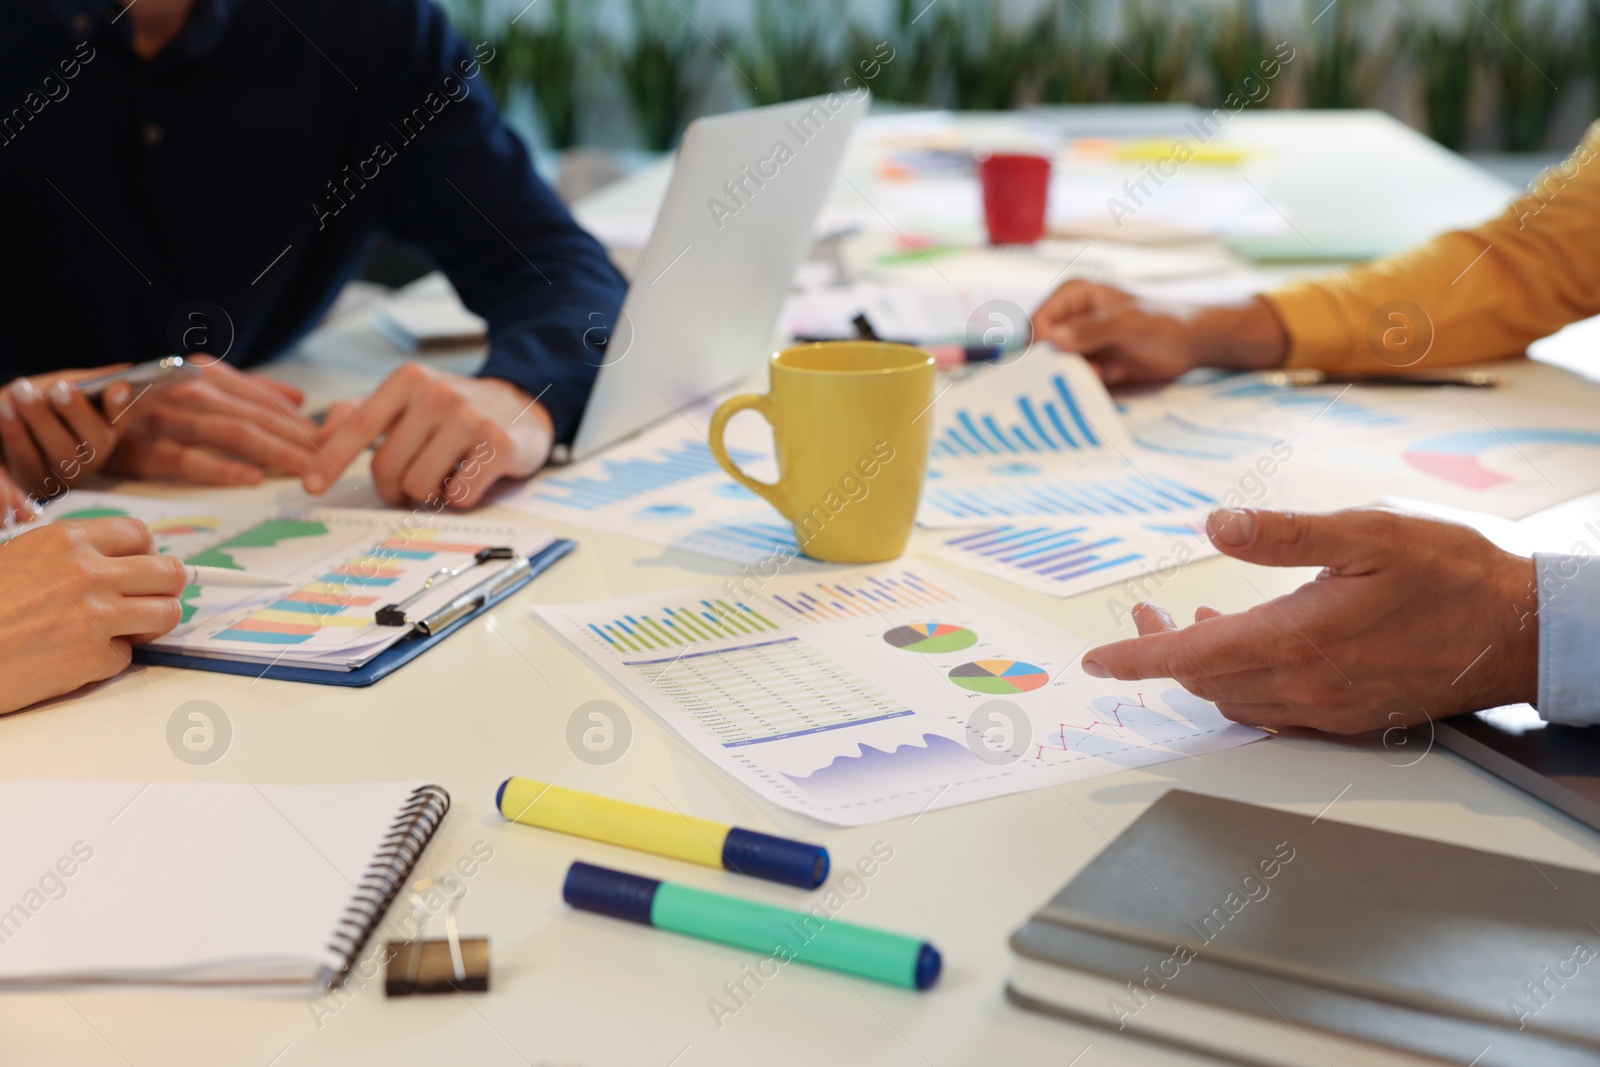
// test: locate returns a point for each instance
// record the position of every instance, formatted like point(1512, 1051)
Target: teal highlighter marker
point(893, 958)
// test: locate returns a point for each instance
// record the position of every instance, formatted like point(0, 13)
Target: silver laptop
point(704, 302)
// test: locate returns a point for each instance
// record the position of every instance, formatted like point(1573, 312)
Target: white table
point(575, 988)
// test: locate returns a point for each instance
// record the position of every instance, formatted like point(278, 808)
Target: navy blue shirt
point(224, 190)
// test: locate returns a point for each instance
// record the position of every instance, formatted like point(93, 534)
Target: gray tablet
point(1558, 764)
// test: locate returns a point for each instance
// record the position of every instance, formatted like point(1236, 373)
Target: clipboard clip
point(395, 614)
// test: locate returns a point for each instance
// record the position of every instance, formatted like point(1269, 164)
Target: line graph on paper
point(1156, 718)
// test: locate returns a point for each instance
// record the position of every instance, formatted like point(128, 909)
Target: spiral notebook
point(271, 886)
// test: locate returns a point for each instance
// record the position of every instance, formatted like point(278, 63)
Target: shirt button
point(152, 134)
point(80, 23)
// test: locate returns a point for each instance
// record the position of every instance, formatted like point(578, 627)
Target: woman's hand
point(78, 596)
point(52, 434)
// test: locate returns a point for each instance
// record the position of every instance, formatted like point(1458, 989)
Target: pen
point(945, 356)
point(467, 602)
point(395, 614)
point(227, 577)
point(819, 940)
point(1477, 379)
point(665, 833)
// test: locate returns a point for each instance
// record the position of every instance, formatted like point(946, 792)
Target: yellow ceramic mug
point(852, 421)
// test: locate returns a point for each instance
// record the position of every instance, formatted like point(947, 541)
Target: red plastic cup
point(1016, 191)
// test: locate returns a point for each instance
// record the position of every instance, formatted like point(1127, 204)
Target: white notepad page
point(183, 882)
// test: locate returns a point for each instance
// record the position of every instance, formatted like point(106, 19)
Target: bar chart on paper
point(348, 594)
point(707, 619)
point(850, 699)
point(607, 481)
point(1041, 404)
point(874, 595)
point(665, 487)
point(1054, 425)
point(1067, 558)
point(343, 564)
point(177, 527)
point(965, 495)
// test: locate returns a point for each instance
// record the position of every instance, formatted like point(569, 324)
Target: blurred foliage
point(793, 52)
point(1531, 54)
point(541, 53)
point(1448, 58)
point(1235, 47)
point(1074, 59)
point(1340, 65)
point(663, 71)
point(987, 59)
point(908, 77)
point(1509, 56)
point(1153, 60)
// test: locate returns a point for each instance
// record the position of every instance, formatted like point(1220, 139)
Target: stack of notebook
point(1271, 938)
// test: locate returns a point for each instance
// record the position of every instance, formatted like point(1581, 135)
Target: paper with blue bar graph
point(877, 693)
point(343, 565)
point(664, 487)
point(1481, 449)
point(1040, 440)
point(1068, 558)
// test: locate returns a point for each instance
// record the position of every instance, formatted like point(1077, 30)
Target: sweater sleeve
point(1466, 296)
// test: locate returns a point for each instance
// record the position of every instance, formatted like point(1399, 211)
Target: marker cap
point(929, 964)
point(775, 858)
point(613, 893)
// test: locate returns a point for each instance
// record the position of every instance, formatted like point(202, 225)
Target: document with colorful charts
point(873, 694)
point(1068, 557)
point(344, 564)
point(1337, 446)
point(665, 487)
point(1039, 439)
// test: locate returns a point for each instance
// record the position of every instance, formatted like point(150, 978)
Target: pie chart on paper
point(1002, 677)
point(931, 637)
point(1457, 458)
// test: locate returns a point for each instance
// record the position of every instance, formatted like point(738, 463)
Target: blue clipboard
point(382, 665)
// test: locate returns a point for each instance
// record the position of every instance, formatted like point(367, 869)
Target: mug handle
point(772, 491)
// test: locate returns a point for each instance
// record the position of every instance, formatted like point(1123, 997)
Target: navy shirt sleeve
point(465, 189)
point(242, 174)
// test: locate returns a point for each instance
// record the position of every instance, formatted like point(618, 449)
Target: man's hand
point(1410, 619)
point(226, 428)
point(78, 596)
point(442, 435)
point(1132, 343)
point(52, 434)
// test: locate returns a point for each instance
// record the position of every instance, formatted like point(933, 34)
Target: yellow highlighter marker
point(665, 833)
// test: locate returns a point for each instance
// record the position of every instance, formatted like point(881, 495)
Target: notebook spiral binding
point(387, 874)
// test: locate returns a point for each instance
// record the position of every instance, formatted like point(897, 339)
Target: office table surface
point(1333, 174)
point(571, 988)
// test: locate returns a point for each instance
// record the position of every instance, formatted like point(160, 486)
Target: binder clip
point(448, 966)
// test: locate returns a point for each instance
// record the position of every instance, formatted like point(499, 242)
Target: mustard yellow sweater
point(1466, 296)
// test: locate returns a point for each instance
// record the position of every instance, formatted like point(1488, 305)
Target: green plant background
point(1493, 70)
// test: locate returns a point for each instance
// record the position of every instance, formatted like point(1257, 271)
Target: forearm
point(1467, 296)
point(1247, 336)
point(468, 193)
